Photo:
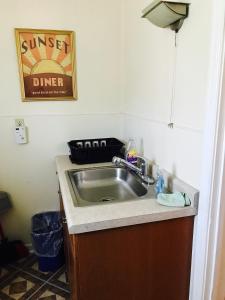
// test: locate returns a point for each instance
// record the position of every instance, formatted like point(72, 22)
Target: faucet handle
point(143, 165)
point(142, 158)
point(116, 160)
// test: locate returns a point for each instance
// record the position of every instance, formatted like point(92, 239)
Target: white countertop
point(112, 215)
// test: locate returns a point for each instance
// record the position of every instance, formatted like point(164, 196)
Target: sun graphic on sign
point(45, 53)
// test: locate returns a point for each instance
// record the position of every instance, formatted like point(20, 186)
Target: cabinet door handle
point(64, 221)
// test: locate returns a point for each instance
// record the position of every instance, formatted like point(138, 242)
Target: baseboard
point(30, 248)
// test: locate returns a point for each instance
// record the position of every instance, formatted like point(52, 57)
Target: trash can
point(47, 240)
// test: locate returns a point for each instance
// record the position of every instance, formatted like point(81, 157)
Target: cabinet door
point(142, 262)
point(70, 255)
point(65, 237)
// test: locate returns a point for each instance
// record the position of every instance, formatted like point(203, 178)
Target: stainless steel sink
point(104, 184)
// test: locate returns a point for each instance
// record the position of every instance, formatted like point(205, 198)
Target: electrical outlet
point(19, 122)
point(21, 135)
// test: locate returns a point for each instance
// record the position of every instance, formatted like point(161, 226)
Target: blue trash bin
point(47, 240)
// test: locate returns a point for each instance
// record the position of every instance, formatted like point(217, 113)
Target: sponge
point(175, 199)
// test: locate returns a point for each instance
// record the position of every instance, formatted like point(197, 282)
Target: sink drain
point(106, 199)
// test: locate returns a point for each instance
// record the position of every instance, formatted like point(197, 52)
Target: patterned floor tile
point(23, 262)
point(7, 272)
point(30, 265)
point(48, 292)
point(59, 279)
point(21, 287)
point(33, 269)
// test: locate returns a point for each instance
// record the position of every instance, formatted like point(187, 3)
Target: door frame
point(207, 224)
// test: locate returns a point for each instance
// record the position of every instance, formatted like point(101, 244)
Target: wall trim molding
point(60, 115)
point(165, 123)
point(117, 114)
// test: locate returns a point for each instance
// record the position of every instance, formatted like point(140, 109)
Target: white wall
point(27, 172)
point(125, 64)
point(148, 56)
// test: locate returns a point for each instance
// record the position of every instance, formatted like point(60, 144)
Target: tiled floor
point(23, 281)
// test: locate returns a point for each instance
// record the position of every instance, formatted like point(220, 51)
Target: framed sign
point(46, 64)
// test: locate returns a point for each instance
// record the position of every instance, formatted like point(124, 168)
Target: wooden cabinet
point(70, 255)
point(141, 262)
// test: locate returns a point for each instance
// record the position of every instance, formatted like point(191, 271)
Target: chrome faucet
point(141, 170)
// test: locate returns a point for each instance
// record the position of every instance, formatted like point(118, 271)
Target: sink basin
point(105, 184)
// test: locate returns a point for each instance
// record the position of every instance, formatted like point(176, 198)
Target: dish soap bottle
point(131, 152)
point(159, 186)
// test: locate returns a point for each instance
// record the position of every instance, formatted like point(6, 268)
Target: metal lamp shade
point(164, 13)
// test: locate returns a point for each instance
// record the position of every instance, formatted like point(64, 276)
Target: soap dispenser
point(131, 152)
point(159, 186)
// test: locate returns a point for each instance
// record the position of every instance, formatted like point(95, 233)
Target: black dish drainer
point(95, 150)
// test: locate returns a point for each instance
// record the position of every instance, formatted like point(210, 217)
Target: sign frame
point(47, 64)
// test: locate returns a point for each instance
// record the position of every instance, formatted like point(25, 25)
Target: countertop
point(113, 215)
